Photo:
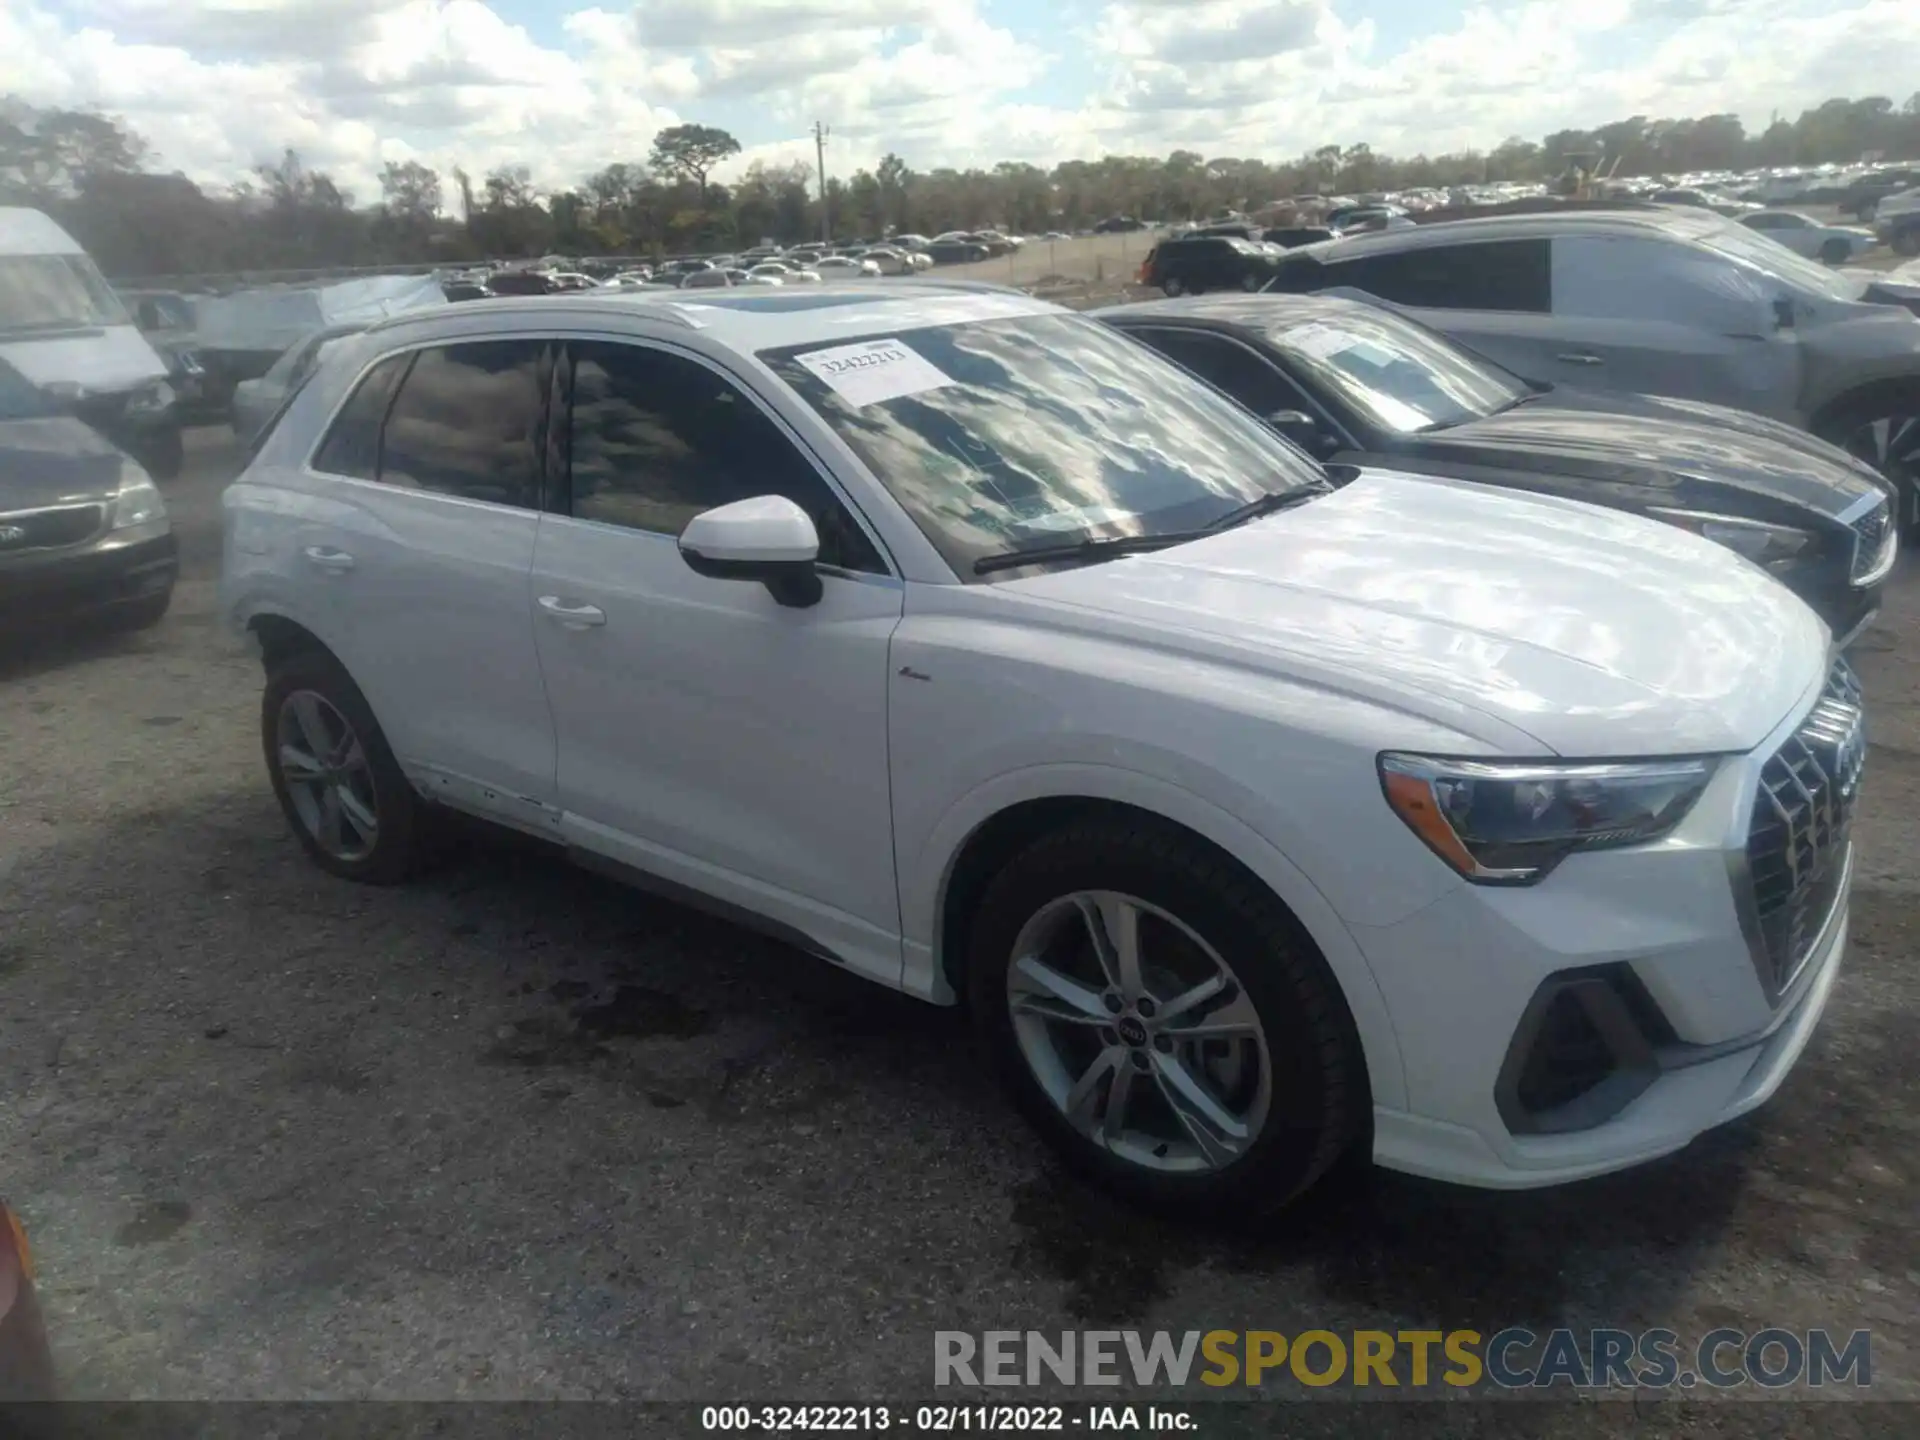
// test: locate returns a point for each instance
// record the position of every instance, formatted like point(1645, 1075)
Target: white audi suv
point(1261, 813)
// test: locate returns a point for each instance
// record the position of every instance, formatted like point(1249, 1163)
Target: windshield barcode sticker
point(874, 371)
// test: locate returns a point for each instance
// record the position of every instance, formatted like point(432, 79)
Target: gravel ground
point(513, 1131)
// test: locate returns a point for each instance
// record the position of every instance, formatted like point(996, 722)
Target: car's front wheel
point(1885, 432)
point(343, 793)
point(1836, 252)
point(1163, 1021)
point(1172, 285)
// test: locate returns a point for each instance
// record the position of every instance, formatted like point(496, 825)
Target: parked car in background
point(521, 282)
point(785, 273)
point(841, 267)
point(1118, 224)
point(1195, 264)
point(1356, 384)
point(1802, 234)
point(1864, 196)
point(705, 280)
point(1234, 803)
point(1896, 223)
point(255, 402)
point(1672, 302)
point(889, 260)
point(1362, 219)
point(166, 318)
point(26, 1361)
point(63, 328)
point(84, 533)
point(956, 252)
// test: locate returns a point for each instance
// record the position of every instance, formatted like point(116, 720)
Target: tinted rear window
point(1511, 275)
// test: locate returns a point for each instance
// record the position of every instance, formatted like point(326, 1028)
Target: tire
point(1835, 252)
point(1200, 910)
point(1250, 282)
point(374, 779)
point(1907, 241)
point(1884, 431)
point(1172, 286)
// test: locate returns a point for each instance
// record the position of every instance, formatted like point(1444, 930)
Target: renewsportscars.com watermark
point(1511, 1359)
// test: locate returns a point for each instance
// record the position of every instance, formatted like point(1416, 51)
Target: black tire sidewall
point(1316, 1110)
point(396, 851)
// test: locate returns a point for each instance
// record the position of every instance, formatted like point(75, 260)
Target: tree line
point(97, 177)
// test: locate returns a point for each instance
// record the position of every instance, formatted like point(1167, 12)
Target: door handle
point(334, 562)
point(573, 617)
point(1580, 357)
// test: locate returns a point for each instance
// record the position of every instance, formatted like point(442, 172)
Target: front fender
point(923, 889)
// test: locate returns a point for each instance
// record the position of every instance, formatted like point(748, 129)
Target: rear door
point(419, 557)
point(1493, 296)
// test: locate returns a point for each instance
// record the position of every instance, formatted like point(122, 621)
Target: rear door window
point(1229, 367)
point(1509, 275)
point(470, 421)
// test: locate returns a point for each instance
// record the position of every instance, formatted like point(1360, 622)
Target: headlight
point(152, 400)
point(1510, 823)
point(138, 501)
point(1760, 542)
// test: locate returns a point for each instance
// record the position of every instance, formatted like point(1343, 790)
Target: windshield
point(1396, 374)
point(1039, 431)
point(1763, 252)
point(54, 292)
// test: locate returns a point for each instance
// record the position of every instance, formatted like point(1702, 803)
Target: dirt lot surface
point(513, 1131)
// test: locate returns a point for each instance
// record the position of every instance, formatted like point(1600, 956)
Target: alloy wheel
point(327, 776)
point(1139, 1033)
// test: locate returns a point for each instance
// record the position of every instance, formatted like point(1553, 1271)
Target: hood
point(54, 461)
point(1597, 634)
point(110, 359)
point(1645, 450)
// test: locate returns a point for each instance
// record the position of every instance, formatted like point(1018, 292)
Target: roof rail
point(571, 299)
point(985, 287)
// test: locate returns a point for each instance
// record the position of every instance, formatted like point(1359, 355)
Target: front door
point(708, 734)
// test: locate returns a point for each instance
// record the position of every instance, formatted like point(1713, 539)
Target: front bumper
point(1701, 1038)
point(122, 568)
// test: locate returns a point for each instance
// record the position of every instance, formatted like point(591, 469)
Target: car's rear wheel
point(1250, 282)
point(1835, 252)
point(1163, 1021)
point(1173, 285)
point(1907, 241)
point(343, 793)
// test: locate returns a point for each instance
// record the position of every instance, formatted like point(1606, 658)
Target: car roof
point(745, 319)
point(1680, 224)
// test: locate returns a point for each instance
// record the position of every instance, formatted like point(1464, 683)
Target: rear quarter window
point(352, 446)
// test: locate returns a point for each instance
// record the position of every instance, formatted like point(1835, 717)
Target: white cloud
point(219, 85)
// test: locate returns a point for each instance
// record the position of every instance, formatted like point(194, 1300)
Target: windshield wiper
point(1084, 550)
point(1270, 503)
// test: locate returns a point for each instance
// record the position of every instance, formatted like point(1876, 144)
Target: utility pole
point(820, 133)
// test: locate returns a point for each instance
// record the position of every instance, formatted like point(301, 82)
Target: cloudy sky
point(562, 88)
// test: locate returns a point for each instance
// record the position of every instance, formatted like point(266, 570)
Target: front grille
point(1874, 538)
point(1798, 837)
point(49, 529)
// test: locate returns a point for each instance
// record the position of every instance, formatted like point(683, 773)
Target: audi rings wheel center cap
point(1132, 1031)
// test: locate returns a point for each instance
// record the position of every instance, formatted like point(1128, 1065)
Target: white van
point(63, 328)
